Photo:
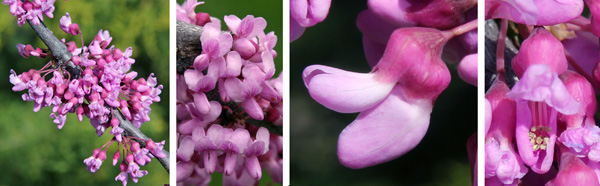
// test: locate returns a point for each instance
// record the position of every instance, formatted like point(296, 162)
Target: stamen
point(539, 132)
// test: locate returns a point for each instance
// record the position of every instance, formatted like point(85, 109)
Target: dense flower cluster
point(547, 117)
point(404, 46)
point(229, 89)
point(30, 10)
point(99, 85)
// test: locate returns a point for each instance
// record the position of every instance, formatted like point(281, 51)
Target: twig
point(130, 130)
point(61, 53)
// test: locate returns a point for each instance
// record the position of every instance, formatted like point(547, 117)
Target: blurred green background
point(272, 12)
point(33, 150)
point(440, 158)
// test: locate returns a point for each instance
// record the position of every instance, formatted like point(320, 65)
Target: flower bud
point(541, 47)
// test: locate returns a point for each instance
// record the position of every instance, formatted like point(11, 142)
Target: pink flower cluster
point(547, 117)
point(134, 157)
point(229, 89)
point(100, 84)
point(408, 74)
point(104, 79)
point(30, 10)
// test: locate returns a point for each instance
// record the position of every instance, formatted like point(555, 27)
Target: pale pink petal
point(344, 91)
point(540, 84)
point(384, 132)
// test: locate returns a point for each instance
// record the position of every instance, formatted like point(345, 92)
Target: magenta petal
point(201, 103)
point(541, 160)
point(344, 91)
point(309, 12)
point(295, 29)
point(240, 138)
point(229, 164)
point(253, 109)
point(384, 132)
point(210, 161)
point(184, 170)
point(392, 11)
point(191, 79)
point(232, 22)
point(516, 10)
point(186, 148)
point(253, 167)
point(488, 115)
point(540, 84)
point(467, 69)
point(263, 135)
point(537, 12)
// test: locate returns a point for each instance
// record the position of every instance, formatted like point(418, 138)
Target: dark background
point(440, 158)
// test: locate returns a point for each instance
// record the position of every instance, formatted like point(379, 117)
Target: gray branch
point(59, 49)
point(61, 53)
point(130, 130)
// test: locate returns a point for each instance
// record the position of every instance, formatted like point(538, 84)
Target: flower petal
point(540, 84)
point(344, 91)
point(384, 132)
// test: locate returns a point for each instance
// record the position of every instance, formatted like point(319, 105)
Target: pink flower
point(67, 26)
point(156, 148)
point(395, 90)
point(207, 144)
point(123, 174)
point(541, 47)
point(467, 69)
point(95, 161)
point(256, 148)
point(539, 95)
point(502, 163)
point(233, 146)
point(573, 171)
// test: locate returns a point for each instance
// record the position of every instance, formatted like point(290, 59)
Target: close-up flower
point(545, 67)
point(378, 90)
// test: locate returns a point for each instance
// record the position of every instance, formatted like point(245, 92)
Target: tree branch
point(61, 53)
point(59, 49)
point(130, 130)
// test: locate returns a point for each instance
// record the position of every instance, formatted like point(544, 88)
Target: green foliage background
point(439, 159)
point(33, 150)
point(272, 12)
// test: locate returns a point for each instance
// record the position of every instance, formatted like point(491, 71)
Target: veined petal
point(384, 132)
point(540, 160)
point(540, 84)
point(516, 10)
point(344, 91)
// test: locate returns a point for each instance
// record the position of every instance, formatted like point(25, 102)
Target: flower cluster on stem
point(99, 82)
point(552, 106)
point(223, 97)
point(405, 49)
